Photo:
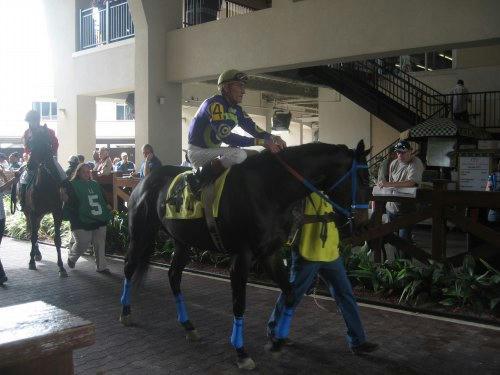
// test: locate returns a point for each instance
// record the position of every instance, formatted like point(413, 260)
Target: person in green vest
point(315, 251)
point(88, 213)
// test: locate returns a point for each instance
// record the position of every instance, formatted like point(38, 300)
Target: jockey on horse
point(212, 125)
point(34, 130)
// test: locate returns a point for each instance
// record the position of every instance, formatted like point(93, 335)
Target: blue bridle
point(354, 187)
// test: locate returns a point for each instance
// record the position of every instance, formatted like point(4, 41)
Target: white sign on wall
point(474, 172)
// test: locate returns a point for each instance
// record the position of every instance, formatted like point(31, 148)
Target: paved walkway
point(410, 344)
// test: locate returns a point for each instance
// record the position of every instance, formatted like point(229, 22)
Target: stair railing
point(416, 96)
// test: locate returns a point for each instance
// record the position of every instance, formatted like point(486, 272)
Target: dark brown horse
point(42, 196)
point(255, 218)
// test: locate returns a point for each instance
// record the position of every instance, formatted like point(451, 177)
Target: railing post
point(484, 110)
point(107, 22)
point(438, 222)
point(80, 30)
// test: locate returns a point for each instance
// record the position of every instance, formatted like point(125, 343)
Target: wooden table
point(38, 338)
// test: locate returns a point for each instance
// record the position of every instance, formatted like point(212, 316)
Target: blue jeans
point(403, 233)
point(335, 277)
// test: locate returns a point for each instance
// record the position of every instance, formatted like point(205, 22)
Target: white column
point(269, 117)
point(158, 111)
point(341, 121)
point(85, 126)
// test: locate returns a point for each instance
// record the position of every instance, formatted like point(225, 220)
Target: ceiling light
point(446, 57)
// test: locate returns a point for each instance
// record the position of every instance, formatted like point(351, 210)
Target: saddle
point(183, 204)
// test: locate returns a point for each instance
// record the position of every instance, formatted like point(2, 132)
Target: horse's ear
point(360, 149)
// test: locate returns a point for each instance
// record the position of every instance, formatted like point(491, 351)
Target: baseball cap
point(124, 154)
point(402, 146)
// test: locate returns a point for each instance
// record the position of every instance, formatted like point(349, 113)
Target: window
point(123, 112)
point(47, 110)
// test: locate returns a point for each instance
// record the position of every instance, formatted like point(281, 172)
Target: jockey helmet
point(32, 116)
point(231, 75)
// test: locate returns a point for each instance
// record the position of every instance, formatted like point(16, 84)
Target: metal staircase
point(388, 93)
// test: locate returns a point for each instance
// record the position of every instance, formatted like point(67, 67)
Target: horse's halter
point(349, 214)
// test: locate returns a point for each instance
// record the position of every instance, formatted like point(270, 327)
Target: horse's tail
point(144, 220)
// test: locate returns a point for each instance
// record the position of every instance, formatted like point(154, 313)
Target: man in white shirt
point(459, 101)
point(405, 171)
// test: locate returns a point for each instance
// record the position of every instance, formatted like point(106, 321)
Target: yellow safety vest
point(311, 246)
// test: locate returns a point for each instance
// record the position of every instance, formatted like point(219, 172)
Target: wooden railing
point(116, 188)
point(441, 205)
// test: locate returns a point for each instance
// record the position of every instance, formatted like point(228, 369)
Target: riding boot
point(22, 195)
point(204, 176)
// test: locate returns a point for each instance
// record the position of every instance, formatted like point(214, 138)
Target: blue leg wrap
point(284, 323)
point(125, 300)
point(237, 335)
point(182, 315)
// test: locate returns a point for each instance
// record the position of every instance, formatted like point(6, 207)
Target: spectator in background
point(104, 165)
point(405, 171)
point(124, 165)
point(115, 163)
point(4, 162)
point(26, 158)
point(149, 163)
point(14, 161)
point(88, 213)
point(493, 184)
point(459, 101)
point(73, 163)
point(383, 170)
point(81, 158)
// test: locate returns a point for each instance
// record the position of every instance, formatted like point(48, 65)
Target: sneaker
point(71, 264)
point(105, 270)
point(366, 347)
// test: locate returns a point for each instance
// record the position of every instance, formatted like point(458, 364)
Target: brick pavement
point(410, 344)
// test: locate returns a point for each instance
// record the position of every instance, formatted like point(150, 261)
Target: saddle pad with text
point(182, 204)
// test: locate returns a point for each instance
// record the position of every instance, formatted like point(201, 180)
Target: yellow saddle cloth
point(184, 205)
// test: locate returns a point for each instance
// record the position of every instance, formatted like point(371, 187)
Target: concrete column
point(269, 118)
point(341, 121)
point(158, 111)
point(301, 133)
point(85, 126)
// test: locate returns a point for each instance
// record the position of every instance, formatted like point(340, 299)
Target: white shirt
point(459, 101)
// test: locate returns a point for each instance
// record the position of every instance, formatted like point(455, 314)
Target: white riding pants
point(228, 155)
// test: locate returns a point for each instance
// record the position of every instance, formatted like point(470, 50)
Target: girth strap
point(207, 200)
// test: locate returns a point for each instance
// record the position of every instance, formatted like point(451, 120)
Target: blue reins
point(354, 186)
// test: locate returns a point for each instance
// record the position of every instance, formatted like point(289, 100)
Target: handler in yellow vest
point(313, 254)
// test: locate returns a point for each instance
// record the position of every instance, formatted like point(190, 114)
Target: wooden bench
point(38, 338)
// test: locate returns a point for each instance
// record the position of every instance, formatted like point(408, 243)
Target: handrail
point(398, 85)
point(198, 11)
point(106, 25)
